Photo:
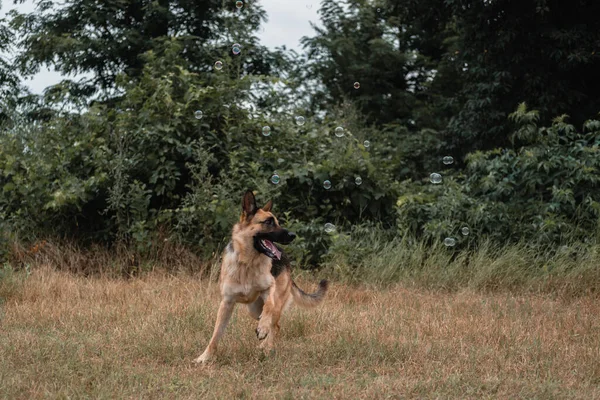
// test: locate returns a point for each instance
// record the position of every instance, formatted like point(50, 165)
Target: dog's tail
point(304, 299)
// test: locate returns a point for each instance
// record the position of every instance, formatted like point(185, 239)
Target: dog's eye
point(269, 222)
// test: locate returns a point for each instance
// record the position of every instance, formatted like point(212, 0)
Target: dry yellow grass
point(67, 336)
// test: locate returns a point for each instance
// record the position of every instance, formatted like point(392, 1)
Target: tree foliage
point(10, 86)
point(103, 39)
point(547, 191)
point(541, 52)
point(138, 164)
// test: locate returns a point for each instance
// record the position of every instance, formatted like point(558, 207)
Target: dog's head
point(264, 227)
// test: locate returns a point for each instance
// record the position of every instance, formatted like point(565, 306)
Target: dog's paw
point(267, 347)
point(262, 332)
point(203, 359)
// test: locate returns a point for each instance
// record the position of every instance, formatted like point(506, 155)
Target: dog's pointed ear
point(267, 207)
point(248, 205)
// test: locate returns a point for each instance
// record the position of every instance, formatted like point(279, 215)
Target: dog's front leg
point(225, 311)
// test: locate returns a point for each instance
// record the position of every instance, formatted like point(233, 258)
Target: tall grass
point(117, 261)
point(368, 258)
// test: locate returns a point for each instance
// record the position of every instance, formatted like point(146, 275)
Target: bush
point(130, 170)
point(545, 190)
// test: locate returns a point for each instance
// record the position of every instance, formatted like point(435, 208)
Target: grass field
point(67, 336)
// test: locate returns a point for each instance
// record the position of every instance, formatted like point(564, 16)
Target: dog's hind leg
point(256, 308)
point(225, 311)
point(268, 327)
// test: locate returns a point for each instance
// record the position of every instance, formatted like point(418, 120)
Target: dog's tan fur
point(246, 277)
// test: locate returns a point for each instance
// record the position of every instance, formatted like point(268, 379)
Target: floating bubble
point(300, 120)
point(266, 130)
point(275, 179)
point(358, 181)
point(329, 227)
point(448, 160)
point(327, 185)
point(449, 242)
point(379, 10)
point(309, 6)
point(219, 65)
point(239, 4)
point(339, 131)
point(435, 178)
point(236, 49)
point(465, 231)
point(198, 114)
point(367, 144)
point(356, 85)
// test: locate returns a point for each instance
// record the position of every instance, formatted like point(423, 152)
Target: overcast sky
point(288, 21)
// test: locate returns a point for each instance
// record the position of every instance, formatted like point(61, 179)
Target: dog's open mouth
point(269, 249)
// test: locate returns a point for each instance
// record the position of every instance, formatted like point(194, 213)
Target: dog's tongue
point(273, 249)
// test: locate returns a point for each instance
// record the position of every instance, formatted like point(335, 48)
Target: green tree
point(105, 39)
point(9, 82)
point(132, 157)
point(396, 52)
point(542, 52)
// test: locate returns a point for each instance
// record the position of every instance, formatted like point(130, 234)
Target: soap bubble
point(329, 227)
point(339, 131)
point(239, 4)
point(236, 49)
point(327, 185)
point(435, 178)
point(449, 242)
point(465, 231)
point(448, 160)
point(275, 179)
point(198, 114)
point(266, 130)
point(358, 181)
point(309, 6)
point(300, 120)
point(356, 85)
point(367, 144)
point(219, 65)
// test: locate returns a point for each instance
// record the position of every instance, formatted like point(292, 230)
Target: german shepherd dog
point(256, 272)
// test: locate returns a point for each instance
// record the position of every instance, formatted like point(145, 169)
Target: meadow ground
point(67, 336)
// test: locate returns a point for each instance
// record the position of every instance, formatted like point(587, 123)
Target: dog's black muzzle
point(284, 237)
point(281, 235)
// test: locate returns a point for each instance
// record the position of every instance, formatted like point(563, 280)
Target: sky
point(288, 22)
